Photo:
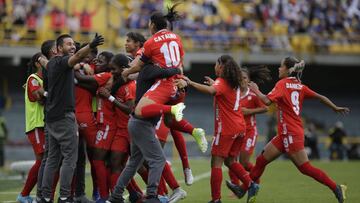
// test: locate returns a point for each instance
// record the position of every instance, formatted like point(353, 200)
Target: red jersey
point(83, 98)
point(125, 93)
point(250, 101)
point(32, 86)
point(289, 94)
point(105, 109)
point(164, 49)
point(229, 119)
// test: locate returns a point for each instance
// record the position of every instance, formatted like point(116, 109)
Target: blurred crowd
point(253, 25)
point(262, 24)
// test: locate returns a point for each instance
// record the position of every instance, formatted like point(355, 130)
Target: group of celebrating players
point(138, 102)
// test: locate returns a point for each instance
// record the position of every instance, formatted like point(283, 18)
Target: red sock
point(233, 178)
point(93, 174)
point(242, 174)
point(144, 175)
point(215, 181)
point(153, 110)
point(134, 186)
point(56, 180)
point(102, 181)
point(181, 147)
point(248, 166)
point(162, 190)
point(113, 179)
point(182, 126)
point(169, 177)
point(317, 174)
point(259, 167)
point(31, 179)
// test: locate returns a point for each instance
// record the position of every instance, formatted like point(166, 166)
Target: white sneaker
point(178, 194)
point(189, 178)
point(177, 111)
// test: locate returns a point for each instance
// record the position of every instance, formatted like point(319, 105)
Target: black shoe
point(135, 197)
point(67, 200)
point(237, 190)
point(42, 200)
point(114, 200)
point(151, 199)
point(216, 201)
point(340, 193)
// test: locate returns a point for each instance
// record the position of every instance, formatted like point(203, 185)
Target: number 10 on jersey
point(171, 53)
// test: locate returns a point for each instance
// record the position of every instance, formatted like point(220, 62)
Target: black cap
point(121, 60)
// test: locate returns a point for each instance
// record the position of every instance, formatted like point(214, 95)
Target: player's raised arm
point(253, 86)
point(83, 52)
point(329, 103)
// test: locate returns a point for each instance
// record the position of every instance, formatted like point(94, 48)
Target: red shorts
point(37, 140)
point(121, 141)
point(87, 127)
point(104, 136)
point(226, 146)
point(161, 131)
point(249, 141)
point(162, 91)
point(288, 143)
point(179, 97)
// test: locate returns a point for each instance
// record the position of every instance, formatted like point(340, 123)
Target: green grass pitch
point(281, 183)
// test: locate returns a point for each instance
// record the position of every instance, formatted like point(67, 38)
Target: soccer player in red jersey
point(289, 94)
point(86, 120)
point(34, 111)
point(164, 48)
point(250, 106)
point(229, 124)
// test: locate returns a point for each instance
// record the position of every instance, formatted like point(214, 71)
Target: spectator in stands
point(58, 19)
point(337, 136)
point(73, 23)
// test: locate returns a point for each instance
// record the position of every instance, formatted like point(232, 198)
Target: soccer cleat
point(189, 178)
point(199, 136)
point(152, 199)
point(177, 111)
point(67, 200)
point(178, 194)
point(24, 199)
point(215, 201)
point(252, 192)
point(237, 190)
point(340, 193)
point(82, 199)
point(114, 200)
point(163, 198)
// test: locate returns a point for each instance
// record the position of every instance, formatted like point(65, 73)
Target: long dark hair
point(231, 71)
point(160, 20)
point(31, 67)
point(295, 66)
point(258, 74)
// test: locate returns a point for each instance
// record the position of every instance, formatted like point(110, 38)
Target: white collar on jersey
point(246, 93)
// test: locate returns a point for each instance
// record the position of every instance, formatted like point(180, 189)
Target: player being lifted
point(164, 48)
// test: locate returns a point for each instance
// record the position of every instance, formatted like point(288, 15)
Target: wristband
point(76, 81)
point(111, 98)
